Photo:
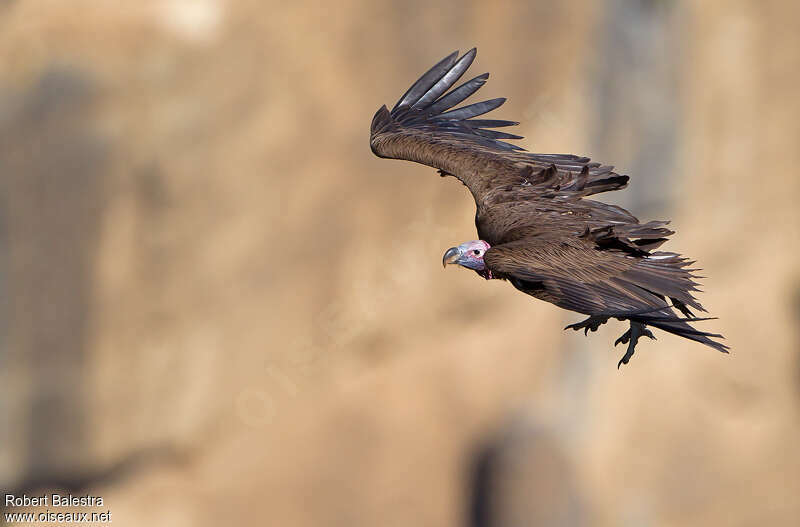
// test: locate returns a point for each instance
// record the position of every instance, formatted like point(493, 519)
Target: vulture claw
point(590, 324)
point(631, 337)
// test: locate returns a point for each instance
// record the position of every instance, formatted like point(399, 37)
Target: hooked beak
point(451, 256)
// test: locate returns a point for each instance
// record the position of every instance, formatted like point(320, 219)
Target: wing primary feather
point(457, 95)
point(490, 123)
point(493, 134)
point(472, 110)
point(449, 78)
point(424, 83)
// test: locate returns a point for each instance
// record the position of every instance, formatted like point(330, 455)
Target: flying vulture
point(538, 229)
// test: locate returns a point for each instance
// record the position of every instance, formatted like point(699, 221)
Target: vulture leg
point(590, 324)
point(631, 337)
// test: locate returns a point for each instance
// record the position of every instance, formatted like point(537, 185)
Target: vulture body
point(537, 225)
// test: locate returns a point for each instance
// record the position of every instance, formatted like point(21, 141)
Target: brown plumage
point(539, 229)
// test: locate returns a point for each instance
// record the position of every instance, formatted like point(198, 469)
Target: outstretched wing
point(574, 275)
point(423, 127)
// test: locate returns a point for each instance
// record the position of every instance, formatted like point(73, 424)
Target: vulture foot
point(631, 337)
point(590, 324)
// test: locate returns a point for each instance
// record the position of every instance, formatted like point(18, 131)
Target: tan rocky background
point(219, 308)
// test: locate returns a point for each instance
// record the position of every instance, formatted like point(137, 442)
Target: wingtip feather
point(426, 81)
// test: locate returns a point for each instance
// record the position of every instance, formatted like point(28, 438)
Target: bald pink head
point(468, 254)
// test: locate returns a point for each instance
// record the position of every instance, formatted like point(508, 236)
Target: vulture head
point(468, 254)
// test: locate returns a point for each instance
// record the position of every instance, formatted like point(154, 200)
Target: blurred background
point(218, 307)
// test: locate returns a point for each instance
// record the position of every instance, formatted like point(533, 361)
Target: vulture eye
point(477, 252)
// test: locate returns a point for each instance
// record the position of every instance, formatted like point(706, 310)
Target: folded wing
point(574, 275)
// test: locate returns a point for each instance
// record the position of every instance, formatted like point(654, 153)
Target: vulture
point(538, 227)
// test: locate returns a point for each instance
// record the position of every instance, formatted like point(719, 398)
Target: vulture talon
point(623, 339)
point(590, 324)
point(637, 330)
